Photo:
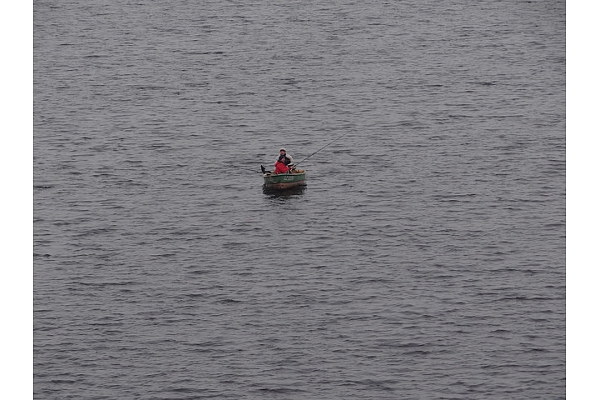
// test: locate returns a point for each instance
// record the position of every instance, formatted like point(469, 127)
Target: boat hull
point(284, 181)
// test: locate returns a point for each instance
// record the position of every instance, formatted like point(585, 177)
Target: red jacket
point(281, 168)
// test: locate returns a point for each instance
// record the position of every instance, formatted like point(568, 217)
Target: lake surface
point(425, 258)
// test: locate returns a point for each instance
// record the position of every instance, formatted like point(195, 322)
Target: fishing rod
point(306, 158)
point(310, 155)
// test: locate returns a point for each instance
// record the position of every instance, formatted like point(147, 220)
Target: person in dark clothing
point(289, 160)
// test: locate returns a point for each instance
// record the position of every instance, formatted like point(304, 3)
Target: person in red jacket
point(280, 165)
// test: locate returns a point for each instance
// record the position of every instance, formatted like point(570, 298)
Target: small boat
point(291, 179)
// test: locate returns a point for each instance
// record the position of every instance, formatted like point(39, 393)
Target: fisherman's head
point(282, 151)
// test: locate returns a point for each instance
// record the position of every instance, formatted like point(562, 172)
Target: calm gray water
point(425, 258)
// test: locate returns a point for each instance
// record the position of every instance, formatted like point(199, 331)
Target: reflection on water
point(284, 193)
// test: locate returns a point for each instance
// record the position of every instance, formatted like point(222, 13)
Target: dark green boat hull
point(284, 181)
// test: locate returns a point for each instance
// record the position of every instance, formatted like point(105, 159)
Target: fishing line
point(306, 158)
